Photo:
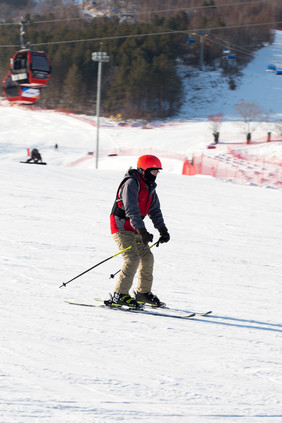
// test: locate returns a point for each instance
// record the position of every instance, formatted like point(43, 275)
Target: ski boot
point(148, 298)
point(119, 300)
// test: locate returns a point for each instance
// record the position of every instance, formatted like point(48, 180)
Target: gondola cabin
point(15, 93)
point(30, 68)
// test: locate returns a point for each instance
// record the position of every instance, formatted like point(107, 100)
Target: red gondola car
point(17, 94)
point(30, 68)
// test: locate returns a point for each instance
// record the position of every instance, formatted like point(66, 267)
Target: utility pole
point(100, 57)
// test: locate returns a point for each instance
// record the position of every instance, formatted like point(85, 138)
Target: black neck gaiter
point(148, 177)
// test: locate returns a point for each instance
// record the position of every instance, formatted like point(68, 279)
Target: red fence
point(253, 171)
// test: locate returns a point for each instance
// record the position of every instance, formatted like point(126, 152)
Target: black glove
point(165, 237)
point(145, 235)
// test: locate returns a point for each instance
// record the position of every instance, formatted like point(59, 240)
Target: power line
point(205, 7)
point(57, 20)
point(234, 47)
point(273, 24)
point(40, 22)
point(151, 11)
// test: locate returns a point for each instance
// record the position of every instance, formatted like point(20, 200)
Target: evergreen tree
point(141, 79)
point(72, 90)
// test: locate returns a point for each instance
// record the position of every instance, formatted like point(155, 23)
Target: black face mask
point(148, 177)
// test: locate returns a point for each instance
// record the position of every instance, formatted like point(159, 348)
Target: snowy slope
point(207, 93)
point(66, 364)
point(61, 363)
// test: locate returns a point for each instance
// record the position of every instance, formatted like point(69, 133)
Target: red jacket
point(135, 200)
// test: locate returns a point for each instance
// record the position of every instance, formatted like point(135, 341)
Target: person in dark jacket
point(136, 198)
point(35, 156)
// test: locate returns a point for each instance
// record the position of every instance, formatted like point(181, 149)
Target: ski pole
point(96, 265)
point(151, 246)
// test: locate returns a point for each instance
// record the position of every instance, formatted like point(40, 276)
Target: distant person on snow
point(136, 197)
point(35, 156)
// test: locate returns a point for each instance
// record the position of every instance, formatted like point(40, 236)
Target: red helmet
point(148, 162)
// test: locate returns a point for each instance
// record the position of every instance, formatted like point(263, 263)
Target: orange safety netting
point(256, 170)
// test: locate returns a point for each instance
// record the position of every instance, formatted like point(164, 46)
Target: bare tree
point(252, 116)
point(278, 127)
point(216, 122)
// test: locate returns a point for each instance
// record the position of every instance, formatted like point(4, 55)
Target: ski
point(205, 313)
point(132, 310)
point(151, 307)
point(202, 314)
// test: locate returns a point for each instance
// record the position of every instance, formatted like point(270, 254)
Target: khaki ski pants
point(139, 257)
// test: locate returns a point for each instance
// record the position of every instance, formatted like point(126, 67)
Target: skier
point(35, 156)
point(136, 197)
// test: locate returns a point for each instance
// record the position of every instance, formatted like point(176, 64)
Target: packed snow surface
point(62, 363)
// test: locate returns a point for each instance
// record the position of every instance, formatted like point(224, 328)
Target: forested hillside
point(141, 79)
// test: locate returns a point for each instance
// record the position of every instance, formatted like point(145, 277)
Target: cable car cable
point(154, 11)
point(146, 34)
point(214, 6)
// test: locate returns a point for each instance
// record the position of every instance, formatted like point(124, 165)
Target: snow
point(62, 363)
point(255, 86)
